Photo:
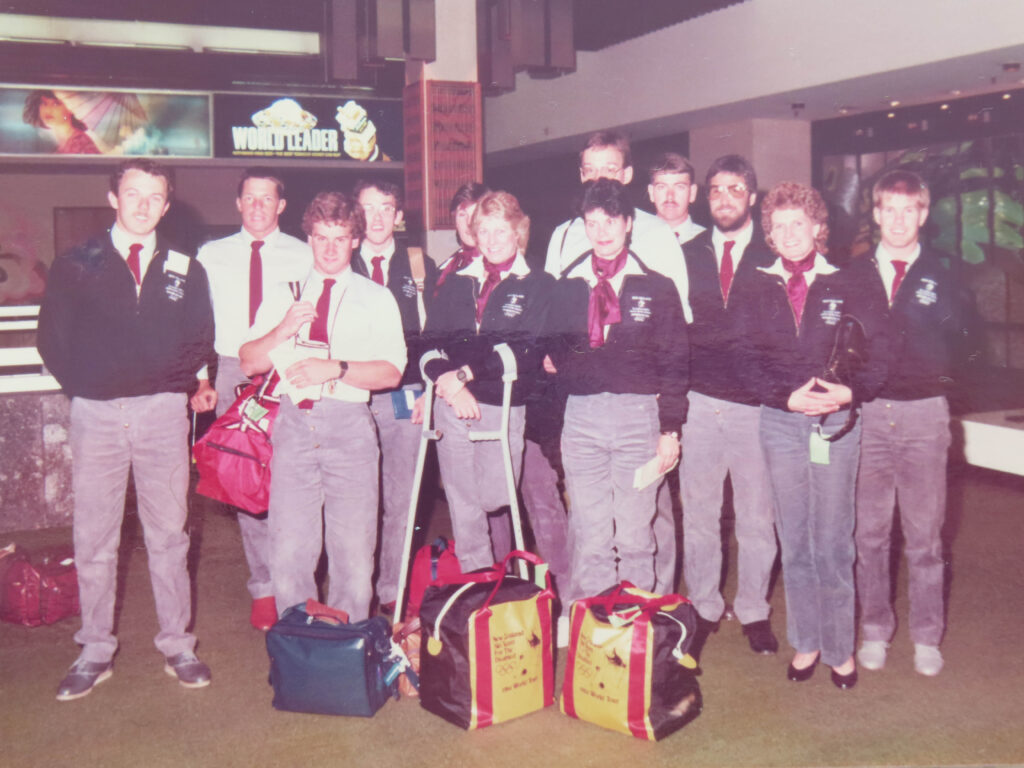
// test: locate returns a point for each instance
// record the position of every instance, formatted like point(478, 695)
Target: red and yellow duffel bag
point(487, 647)
point(628, 667)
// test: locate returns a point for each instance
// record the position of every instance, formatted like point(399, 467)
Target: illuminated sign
point(314, 128)
point(60, 121)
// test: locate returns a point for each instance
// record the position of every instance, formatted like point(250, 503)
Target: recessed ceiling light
point(894, 103)
point(1006, 97)
point(955, 92)
point(891, 114)
point(944, 106)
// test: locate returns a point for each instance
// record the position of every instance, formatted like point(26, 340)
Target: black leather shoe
point(801, 675)
point(759, 635)
point(844, 682)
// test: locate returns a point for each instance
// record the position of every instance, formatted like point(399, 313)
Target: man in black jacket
point(721, 434)
point(390, 264)
point(905, 435)
point(125, 325)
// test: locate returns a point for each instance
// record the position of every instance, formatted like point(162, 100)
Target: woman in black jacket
point(619, 350)
point(493, 300)
point(805, 315)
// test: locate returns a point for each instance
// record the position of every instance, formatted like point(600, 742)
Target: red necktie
point(796, 286)
point(318, 328)
point(901, 272)
point(378, 271)
point(603, 308)
point(133, 262)
point(493, 278)
point(726, 273)
point(255, 280)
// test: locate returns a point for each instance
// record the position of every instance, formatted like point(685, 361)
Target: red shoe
point(264, 613)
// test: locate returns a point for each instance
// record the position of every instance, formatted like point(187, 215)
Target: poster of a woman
point(44, 109)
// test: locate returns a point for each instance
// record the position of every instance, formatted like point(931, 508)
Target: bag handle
point(619, 596)
point(317, 611)
point(502, 570)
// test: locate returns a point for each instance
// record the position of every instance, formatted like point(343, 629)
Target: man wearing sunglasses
point(721, 434)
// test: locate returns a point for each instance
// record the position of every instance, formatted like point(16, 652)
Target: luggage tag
point(819, 446)
point(402, 401)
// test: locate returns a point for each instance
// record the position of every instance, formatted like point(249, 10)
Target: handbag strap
point(502, 569)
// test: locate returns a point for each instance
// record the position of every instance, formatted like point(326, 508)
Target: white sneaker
point(927, 659)
point(872, 654)
point(562, 632)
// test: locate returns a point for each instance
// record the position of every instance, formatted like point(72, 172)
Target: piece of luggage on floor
point(628, 667)
point(487, 653)
point(322, 665)
point(39, 589)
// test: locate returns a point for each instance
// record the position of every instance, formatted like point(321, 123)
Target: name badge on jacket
point(175, 271)
point(925, 294)
point(409, 289)
point(514, 305)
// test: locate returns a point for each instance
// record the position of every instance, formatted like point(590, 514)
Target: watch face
point(460, 375)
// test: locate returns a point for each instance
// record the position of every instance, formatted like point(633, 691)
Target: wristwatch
point(460, 374)
point(671, 433)
point(342, 370)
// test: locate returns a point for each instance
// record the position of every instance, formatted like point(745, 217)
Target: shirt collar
point(123, 241)
point(821, 267)
point(368, 255)
point(883, 256)
point(314, 283)
point(477, 271)
point(742, 238)
point(269, 238)
point(584, 270)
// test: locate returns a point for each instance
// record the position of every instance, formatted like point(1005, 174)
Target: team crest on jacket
point(831, 310)
point(925, 293)
point(409, 287)
point(514, 305)
point(640, 308)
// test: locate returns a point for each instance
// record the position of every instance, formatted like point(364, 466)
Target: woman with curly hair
point(797, 320)
point(44, 109)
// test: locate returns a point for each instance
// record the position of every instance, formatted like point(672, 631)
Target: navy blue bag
point(323, 666)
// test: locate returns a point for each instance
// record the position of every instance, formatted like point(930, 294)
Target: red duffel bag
point(233, 456)
point(37, 593)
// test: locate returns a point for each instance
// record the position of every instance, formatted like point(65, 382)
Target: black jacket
point(786, 358)
point(647, 353)
point(928, 321)
point(516, 314)
point(403, 288)
point(718, 356)
point(101, 342)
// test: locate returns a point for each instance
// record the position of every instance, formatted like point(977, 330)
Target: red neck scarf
point(796, 286)
point(493, 278)
point(461, 259)
point(604, 302)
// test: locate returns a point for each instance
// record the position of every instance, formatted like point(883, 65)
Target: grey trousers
point(399, 445)
point(255, 536)
point(474, 476)
point(722, 438)
point(814, 515)
point(904, 449)
point(605, 439)
point(323, 495)
point(666, 539)
point(545, 509)
point(148, 434)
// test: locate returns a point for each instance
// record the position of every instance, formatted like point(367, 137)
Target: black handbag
point(849, 353)
point(323, 666)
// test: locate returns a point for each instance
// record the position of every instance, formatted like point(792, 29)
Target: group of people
point(646, 341)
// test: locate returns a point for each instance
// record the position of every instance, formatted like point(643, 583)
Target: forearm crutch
point(508, 377)
point(426, 435)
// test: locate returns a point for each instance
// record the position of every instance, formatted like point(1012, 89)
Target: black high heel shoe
point(800, 675)
point(844, 682)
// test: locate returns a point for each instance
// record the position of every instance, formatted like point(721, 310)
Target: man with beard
point(720, 437)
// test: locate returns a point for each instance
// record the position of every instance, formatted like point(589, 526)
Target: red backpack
point(433, 564)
